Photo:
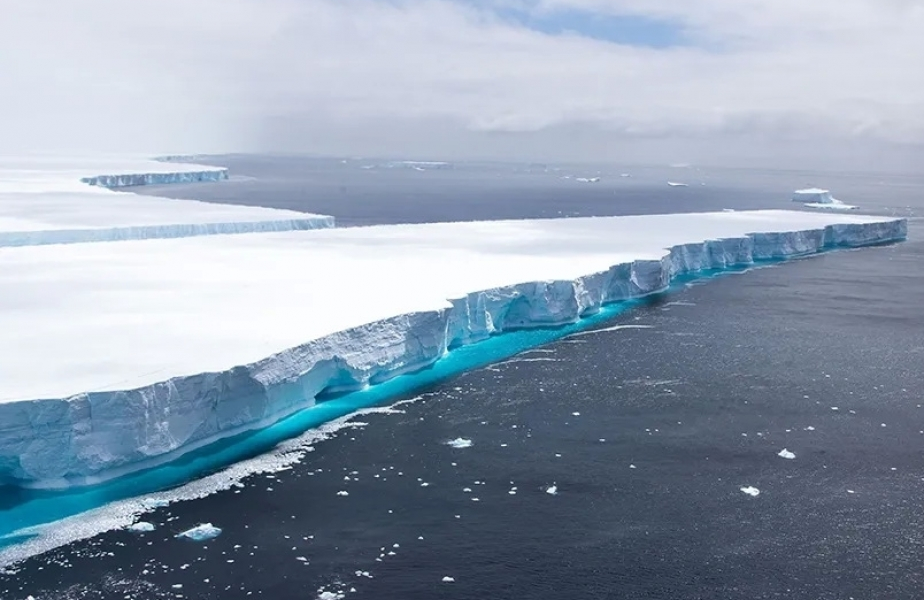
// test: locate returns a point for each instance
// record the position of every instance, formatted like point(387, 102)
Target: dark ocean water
point(646, 435)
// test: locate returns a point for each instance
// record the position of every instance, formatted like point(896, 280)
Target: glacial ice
point(460, 443)
point(158, 347)
point(201, 533)
point(751, 491)
point(819, 198)
point(141, 527)
point(45, 202)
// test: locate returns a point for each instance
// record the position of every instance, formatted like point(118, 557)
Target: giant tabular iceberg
point(48, 202)
point(117, 356)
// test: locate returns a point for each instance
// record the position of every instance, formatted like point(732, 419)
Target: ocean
point(601, 463)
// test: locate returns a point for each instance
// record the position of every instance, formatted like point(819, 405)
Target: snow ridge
point(90, 437)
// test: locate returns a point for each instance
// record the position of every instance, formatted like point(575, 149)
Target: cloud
point(228, 75)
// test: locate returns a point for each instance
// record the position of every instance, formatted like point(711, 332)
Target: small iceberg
point(676, 184)
point(201, 533)
point(751, 491)
point(141, 527)
point(819, 198)
point(552, 490)
point(588, 179)
point(784, 453)
point(460, 443)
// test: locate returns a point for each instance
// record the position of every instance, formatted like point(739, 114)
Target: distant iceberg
point(819, 198)
point(676, 184)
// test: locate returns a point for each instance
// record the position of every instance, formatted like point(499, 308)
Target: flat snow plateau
point(45, 201)
point(103, 317)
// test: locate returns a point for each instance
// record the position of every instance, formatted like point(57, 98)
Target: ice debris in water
point(460, 443)
point(201, 533)
point(751, 491)
point(552, 490)
point(784, 453)
point(448, 579)
point(141, 527)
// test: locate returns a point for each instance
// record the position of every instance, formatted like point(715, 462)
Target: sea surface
point(608, 463)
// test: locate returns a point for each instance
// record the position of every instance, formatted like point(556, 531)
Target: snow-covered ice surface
point(819, 198)
point(49, 201)
point(115, 356)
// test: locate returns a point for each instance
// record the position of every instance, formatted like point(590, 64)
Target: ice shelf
point(48, 201)
point(116, 355)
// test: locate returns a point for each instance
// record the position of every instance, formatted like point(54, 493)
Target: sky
point(791, 83)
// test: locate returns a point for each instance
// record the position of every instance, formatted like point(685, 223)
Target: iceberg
point(47, 202)
point(819, 198)
point(120, 356)
point(201, 533)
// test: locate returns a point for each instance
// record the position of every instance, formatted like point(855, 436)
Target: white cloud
point(217, 75)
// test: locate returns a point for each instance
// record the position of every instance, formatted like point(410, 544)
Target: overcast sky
point(789, 82)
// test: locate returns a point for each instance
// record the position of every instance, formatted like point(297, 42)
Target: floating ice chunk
point(588, 179)
point(141, 527)
point(150, 503)
point(448, 579)
point(676, 184)
point(201, 533)
point(326, 595)
point(460, 443)
point(784, 453)
point(552, 490)
point(343, 493)
point(751, 491)
point(819, 198)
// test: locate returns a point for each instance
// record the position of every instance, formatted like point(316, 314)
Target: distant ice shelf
point(136, 179)
point(48, 201)
point(117, 356)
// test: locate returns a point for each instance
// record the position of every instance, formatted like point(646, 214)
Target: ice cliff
point(93, 436)
point(135, 179)
point(168, 231)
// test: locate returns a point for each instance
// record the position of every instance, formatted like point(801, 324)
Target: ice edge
point(137, 179)
point(146, 232)
point(91, 437)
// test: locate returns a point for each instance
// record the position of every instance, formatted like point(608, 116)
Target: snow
point(819, 198)
point(45, 202)
point(117, 354)
point(201, 533)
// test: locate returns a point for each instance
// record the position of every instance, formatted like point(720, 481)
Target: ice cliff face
point(145, 232)
point(87, 437)
point(135, 179)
